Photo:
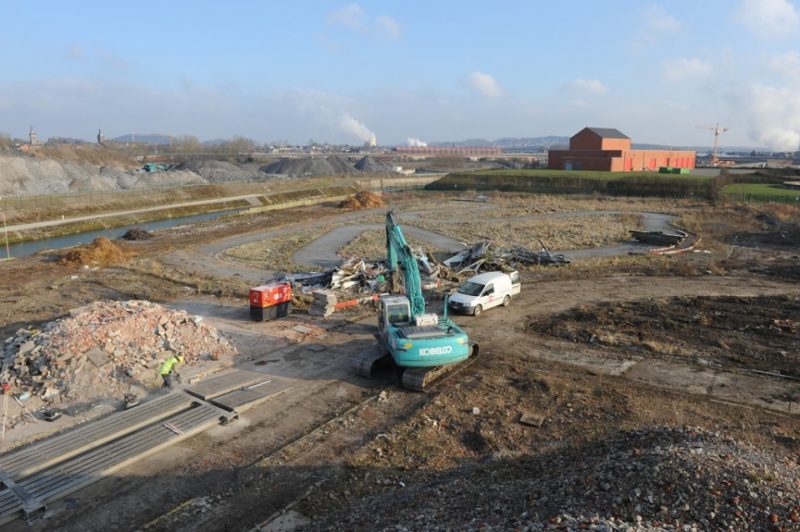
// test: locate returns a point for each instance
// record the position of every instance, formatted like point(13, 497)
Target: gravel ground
point(655, 478)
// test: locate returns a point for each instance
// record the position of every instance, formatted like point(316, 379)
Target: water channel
point(24, 249)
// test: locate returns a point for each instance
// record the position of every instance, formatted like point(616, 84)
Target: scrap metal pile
point(359, 276)
point(481, 257)
point(103, 349)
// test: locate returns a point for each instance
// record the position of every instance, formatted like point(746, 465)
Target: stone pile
point(676, 479)
point(103, 349)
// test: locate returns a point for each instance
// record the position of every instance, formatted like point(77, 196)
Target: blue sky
point(435, 71)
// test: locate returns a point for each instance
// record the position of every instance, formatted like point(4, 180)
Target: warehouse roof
point(608, 132)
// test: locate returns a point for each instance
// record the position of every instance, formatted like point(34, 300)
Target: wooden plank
point(38, 456)
point(228, 382)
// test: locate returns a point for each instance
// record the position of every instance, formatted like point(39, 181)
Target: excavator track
point(422, 379)
point(368, 361)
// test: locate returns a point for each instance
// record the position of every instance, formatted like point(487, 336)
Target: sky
point(407, 72)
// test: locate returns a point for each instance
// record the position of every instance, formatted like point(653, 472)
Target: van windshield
point(471, 289)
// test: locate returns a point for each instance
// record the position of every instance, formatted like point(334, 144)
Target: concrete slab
point(224, 383)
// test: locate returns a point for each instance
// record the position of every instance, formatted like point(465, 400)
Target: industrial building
point(609, 150)
point(448, 151)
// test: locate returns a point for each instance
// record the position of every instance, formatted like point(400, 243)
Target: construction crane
point(717, 129)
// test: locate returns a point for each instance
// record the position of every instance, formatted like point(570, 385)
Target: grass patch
point(275, 254)
point(585, 182)
point(761, 192)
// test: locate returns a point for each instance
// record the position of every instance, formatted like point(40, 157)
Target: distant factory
point(609, 150)
point(449, 151)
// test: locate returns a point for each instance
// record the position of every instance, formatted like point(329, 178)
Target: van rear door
point(516, 285)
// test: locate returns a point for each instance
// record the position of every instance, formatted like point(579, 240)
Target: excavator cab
point(394, 310)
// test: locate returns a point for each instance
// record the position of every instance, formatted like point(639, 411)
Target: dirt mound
point(363, 200)
point(370, 164)
point(752, 333)
point(103, 349)
point(137, 234)
point(310, 166)
point(651, 479)
point(101, 252)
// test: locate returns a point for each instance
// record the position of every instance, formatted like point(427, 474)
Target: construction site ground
point(638, 360)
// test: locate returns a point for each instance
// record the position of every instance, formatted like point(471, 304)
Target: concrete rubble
point(104, 349)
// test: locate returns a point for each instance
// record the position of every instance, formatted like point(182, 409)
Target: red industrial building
point(608, 150)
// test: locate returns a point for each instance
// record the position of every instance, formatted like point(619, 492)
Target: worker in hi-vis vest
point(168, 369)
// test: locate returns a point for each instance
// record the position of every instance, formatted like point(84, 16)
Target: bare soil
point(543, 430)
point(761, 333)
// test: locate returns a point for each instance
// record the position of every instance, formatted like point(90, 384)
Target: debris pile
point(481, 257)
point(137, 234)
point(101, 252)
point(358, 276)
point(659, 238)
point(363, 200)
point(100, 350)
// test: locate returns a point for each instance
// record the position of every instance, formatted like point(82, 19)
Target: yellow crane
point(717, 129)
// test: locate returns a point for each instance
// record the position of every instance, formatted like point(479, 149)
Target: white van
point(485, 291)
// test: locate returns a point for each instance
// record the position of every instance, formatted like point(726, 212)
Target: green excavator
point(422, 346)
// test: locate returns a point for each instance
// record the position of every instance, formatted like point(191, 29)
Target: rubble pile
point(101, 252)
point(102, 349)
point(136, 233)
point(481, 257)
point(363, 200)
point(358, 276)
point(658, 478)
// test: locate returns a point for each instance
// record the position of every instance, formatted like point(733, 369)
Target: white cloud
point(351, 16)
point(355, 18)
point(772, 115)
point(485, 84)
point(787, 65)
point(586, 86)
point(657, 19)
point(388, 27)
point(768, 18)
point(416, 143)
point(686, 68)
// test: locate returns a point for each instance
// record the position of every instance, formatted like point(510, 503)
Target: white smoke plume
point(357, 129)
point(416, 143)
point(773, 116)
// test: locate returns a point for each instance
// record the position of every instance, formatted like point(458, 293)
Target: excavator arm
point(401, 257)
